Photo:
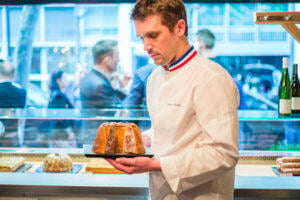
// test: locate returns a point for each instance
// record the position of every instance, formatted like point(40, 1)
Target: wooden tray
point(101, 166)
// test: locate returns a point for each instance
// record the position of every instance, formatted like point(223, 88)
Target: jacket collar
point(183, 60)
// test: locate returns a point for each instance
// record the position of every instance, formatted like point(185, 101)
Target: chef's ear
point(180, 27)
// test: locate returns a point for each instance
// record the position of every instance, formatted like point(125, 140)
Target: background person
point(73, 87)
point(57, 86)
point(62, 132)
point(96, 90)
point(136, 97)
point(192, 103)
point(12, 95)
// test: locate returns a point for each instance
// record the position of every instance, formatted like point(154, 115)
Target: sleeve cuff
point(169, 170)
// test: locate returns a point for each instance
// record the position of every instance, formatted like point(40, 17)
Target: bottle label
point(295, 103)
point(284, 106)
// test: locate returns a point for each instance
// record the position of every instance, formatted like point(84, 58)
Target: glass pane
point(241, 14)
point(61, 58)
point(14, 22)
point(101, 21)
point(211, 14)
point(14, 16)
point(271, 7)
point(1, 32)
point(272, 32)
point(60, 24)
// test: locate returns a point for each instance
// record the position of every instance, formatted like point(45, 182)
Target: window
point(60, 24)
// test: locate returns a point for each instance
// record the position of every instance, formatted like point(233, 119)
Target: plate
point(88, 153)
point(76, 168)
point(23, 168)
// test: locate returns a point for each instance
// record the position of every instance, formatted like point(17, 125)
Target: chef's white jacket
point(193, 108)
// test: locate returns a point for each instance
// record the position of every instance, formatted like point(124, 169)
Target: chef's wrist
point(155, 166)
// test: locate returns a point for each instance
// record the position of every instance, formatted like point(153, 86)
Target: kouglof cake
point(118, 138)
point(60, 162)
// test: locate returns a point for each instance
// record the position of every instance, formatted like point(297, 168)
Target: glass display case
point(262, 135)
point(71, 128)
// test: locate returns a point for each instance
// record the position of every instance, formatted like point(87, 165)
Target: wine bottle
point(295, 91)
point(284, 93)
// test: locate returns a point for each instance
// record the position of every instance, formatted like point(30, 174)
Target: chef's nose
point(147, 45)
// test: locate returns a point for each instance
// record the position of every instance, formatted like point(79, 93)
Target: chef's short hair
point(170, 11)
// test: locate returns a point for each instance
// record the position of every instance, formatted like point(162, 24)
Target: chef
point(192, 103)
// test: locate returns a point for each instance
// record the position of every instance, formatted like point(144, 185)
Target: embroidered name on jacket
point(174, 104)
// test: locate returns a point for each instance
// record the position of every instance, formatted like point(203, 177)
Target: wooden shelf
point(287, 20)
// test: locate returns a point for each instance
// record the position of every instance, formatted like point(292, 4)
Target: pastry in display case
point(58, 162)
point(11, 163)
point(289, 165)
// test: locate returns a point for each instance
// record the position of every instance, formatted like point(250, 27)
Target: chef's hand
point(135, 165)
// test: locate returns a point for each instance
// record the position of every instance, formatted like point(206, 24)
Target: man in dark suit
point(12, 95)
point(96, 90)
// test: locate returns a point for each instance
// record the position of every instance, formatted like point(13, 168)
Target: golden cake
point(58, 162)
point(11, 163)
point(118, 138)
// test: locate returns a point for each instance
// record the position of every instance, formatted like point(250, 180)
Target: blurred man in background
point(96, 89)
point(12, 95)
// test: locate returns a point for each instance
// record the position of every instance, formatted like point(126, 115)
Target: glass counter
point(34, 137)
point(71, 128)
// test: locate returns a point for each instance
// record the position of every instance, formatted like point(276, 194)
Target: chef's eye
point(153, 35)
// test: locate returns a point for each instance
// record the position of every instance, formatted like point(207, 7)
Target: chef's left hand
point(135, 165)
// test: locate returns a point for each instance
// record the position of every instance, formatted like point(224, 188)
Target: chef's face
point(159, 42)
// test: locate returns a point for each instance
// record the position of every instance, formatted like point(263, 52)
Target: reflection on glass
point(211, 14)
point(241, 14)
point(65, 34)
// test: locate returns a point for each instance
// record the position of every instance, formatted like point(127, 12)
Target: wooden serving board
point(101, 166)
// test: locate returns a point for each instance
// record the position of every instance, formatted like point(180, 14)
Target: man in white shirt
point(192, 103)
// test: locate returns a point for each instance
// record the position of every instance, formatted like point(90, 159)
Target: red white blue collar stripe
point(184, 59)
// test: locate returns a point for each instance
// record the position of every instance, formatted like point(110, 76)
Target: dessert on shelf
point(11, 163)
point(57, 162)
point(289, 165)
